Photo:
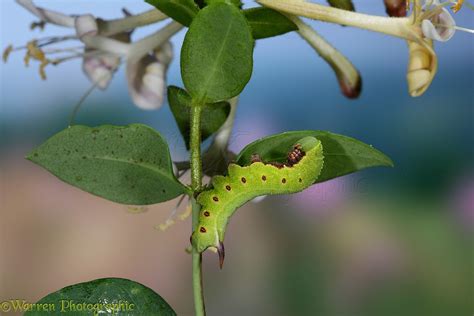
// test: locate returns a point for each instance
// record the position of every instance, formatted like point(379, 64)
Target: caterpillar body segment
point(244, 183)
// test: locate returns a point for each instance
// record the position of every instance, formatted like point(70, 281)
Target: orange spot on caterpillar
point(283, 180)
point(215, 198)
point(207, 214)
point(202, 230)
point(264, 178)
point(228, 188)
point(243, 179)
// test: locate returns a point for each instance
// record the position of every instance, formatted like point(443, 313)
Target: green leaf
point(216, 57)
point(266, 22)
point(212, 117)
point(110, 296)
point(237, 3)
point(129, 164)
point(342, 154)
point(182, 11)
point(342, 4)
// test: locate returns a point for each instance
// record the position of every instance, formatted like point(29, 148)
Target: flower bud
point(422, 67)
point(350, 82)
point(396, 8)
point(98, 66)
point(147, 78)
point(86, 25)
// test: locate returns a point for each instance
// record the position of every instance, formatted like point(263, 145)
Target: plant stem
point(399, 27)
point(196, 184)
point(199, 308)
point(115, 26)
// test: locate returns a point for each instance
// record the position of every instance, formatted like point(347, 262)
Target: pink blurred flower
point(463, 202)
point(323, 197)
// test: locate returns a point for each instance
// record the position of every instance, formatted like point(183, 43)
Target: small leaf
point(237, 3)
point(182, 11)
point(128, 165)
point(216, 57)
point(212, 117)
point(342, 154)
point(342, 4)
point(110, 296)
point(266, 22)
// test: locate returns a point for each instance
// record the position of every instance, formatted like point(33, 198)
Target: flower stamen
point(457, 6)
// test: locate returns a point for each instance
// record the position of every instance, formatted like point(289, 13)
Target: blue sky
point(291, 88)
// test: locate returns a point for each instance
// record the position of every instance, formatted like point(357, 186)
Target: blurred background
point(381, 242)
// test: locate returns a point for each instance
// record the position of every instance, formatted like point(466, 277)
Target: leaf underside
point(342, 154)
point(128, 165)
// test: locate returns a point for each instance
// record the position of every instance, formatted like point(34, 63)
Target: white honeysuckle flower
point(428, 21)
point(445, 29)
point(439, 27)
point(105, 43)
point(99, 68)
point(147, 78)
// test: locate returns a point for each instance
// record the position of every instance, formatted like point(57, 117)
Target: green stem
point(399, 27)
point(115, 26)
point(196, 184)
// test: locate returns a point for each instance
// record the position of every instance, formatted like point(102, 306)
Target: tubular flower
point(147, 77)
point(104, 45)
point(428, 21)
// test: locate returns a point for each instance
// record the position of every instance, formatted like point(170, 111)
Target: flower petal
point(422, 66)
point(86, 25)
point(147, 78)
point(100, 69)
point(444, 29)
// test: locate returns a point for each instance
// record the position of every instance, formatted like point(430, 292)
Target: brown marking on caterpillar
point(300, 180)
point(255, 158)
point(228, 188)
point(295, 155)
point(264, 178)
point(207, 214)
point(283, 180)
point(243, 180)
point(202, 230)
point(215, 198)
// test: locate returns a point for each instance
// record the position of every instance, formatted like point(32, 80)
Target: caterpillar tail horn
point(221, 253)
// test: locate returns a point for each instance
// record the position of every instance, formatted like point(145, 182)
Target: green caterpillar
point(302, 168)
